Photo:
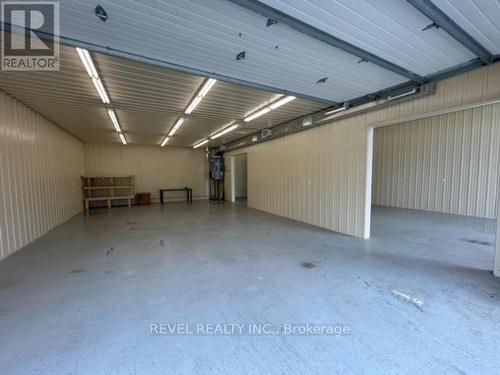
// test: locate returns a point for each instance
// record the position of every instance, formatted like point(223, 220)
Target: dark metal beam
point(441, 19)
point(294, 125)
point(318, 118)
point(272, 13)
point(455, 70)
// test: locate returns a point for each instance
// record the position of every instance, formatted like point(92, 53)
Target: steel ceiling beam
point(305, 28)
point(441, 19)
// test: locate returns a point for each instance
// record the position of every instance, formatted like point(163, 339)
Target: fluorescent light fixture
point(92, 72)
point(259, 113)
point(278, 103)
point(282, 101)
point(165, 141)
point(122, 137)
point(336, 111)
point(199, 144)
point(114, 120)
point(206, 87)
point(200, 95)
point(193, 105)
point(176, 126)
point(402, 95)
point(87, 62)
point(255, 138)
point(100, 90)
point(224, 131)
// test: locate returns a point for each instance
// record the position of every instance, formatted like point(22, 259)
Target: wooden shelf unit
point(107, 189)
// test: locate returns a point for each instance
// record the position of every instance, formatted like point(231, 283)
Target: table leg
point(161, 197)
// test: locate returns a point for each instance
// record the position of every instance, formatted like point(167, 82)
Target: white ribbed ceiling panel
point(391, 29)
point(147, 101)
point(207, 36)
point(479, 18)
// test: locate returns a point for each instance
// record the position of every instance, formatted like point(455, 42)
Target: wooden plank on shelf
point(93, 199)
point(104, 187)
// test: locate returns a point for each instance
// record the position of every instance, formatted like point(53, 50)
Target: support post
point(496, 269)
point(368, 184)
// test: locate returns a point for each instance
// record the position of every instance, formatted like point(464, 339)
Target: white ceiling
point(147, 101)
point(202, 38)
point(207, 36)
point(479, 18)
point(391, 29)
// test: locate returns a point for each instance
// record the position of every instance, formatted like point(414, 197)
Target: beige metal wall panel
point(318, 176)
point(447, 163)
point(496, 265)
point(154, 167)
point(315, 176)
point(40, 168)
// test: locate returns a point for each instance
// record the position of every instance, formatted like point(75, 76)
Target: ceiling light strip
point(165, 141)
point(114, 120)
point(336, 110)
point(91, 70)
point(89, 66)
point(122, 138)
point(205, 88)
point(177, 125)
point(87, 62)
point(207, 85)
point(276, 104)
point(391, 97)
point(201, 143)
point(224, 131)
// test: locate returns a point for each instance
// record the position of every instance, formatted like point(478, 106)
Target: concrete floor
point(81, 299)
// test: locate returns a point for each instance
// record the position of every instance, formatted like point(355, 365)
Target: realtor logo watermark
point(30, 35)
point(249, 329)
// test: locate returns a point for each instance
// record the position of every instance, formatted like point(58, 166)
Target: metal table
point(189, 193)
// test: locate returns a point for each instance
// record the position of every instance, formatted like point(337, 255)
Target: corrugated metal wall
point(447, 163)
point(40, 167)
point(318, 176)
point(315, 176)
point(153, 167)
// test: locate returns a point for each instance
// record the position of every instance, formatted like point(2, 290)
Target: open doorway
point(239, 179)
point(434, 188)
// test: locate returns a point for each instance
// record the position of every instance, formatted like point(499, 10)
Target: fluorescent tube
point(259, 113)
point(199, 144)
point(176, 126)
point(224, 131)
point(122, 137)
point(206, 87)
point(114, 120)
point(165, 141)
point(282, 101)
point(87, 62)
point(402, 95)
point(335, 110)
point(193, 105)
point(278, 103)
point(100, 90)
point(200, 95)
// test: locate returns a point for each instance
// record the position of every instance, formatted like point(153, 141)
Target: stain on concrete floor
point(308, 264)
